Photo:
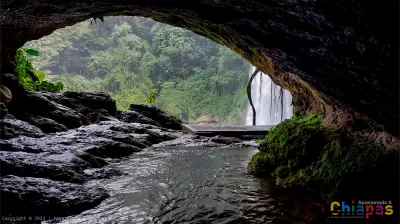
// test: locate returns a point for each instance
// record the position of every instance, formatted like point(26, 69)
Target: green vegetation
point(139, 60)
point(28, 77)
point(301, 151)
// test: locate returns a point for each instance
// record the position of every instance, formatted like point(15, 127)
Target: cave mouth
point(139, 60)
point(332, 65)
point(335, 57)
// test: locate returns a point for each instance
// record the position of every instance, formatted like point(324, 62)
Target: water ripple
point(189, 185)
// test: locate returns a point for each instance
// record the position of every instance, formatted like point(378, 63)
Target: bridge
point(231, 131)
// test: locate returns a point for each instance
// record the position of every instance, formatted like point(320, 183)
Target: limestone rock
point(89, 104)
point(157, 115)
point(47, 125)
point(11, 128)
point(135, 117)
point(36, 104)
point(27, 196)
point(225, 140)
point(64, 156)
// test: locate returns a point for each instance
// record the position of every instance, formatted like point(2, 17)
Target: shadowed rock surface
point(89, 104)
point(3, 110)
point(47, 125)
point(135, 117)
point(65, 155)
point(11, 128)
point(157, 115)
point(43, 197)
point(36, 103)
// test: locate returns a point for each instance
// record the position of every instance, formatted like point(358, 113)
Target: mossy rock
point(301, 151)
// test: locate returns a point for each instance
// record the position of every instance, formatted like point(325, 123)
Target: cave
point(338, 59)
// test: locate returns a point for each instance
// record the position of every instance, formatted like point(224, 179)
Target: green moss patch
point(301, 151)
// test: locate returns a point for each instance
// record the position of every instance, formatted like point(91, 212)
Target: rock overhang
point(338, 58)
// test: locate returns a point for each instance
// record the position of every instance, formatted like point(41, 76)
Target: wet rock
point(225, 140)
point(112, 149)
point(165, 134)
point(3, 110)
point(43, 197)
point(36, 104)
point(157, 115)
point(58, 167)
point(186, 140)
point(107, 118)
point(135, 117)
point(133, 134)
point(47, 125)
point(103, 173)
point(246, 144)
point(64, 156)
point(11, 128)
point(91, 105)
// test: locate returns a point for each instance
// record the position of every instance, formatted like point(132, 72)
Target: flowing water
point(272, 103)
point(194, 185)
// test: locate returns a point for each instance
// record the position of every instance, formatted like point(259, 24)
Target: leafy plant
point(152, 97)
point(28, 77)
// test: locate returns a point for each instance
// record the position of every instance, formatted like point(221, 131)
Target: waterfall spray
point(272, 103)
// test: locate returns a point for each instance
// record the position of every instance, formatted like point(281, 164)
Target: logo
point(361, 209)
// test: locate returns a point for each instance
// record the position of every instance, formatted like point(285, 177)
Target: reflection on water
point(195, 185)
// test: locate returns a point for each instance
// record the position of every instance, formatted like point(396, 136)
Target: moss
point(301, 151)
point(315, 94)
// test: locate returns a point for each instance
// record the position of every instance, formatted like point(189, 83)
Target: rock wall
point(338, 58)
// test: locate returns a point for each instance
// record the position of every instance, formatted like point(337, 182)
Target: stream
point(195, 185)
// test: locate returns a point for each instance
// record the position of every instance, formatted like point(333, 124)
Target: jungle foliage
point(28, 76)
point(138, 60)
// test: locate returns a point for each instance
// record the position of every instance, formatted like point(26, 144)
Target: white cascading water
point(272, 103)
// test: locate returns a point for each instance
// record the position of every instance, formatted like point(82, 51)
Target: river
point(195, 185)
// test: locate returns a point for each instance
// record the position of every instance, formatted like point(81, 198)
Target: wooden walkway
point(213, 130)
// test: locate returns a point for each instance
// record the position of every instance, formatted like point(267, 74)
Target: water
point(194, 185)
point(272, 103)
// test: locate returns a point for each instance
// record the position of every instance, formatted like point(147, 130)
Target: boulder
point(135, 117)
point(38, 197)
point(157, 115)
point(92, 105)
point(47, 125)
point(57, 167)
point(36, 103)
point(11, 128)
point(225, 140)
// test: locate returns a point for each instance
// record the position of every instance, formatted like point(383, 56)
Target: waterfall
point(272, 103)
